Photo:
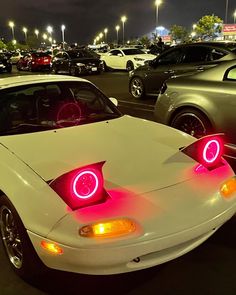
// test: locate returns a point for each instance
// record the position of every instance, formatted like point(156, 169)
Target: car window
point(231, 74)
point(115, 52)
point(132, 51)
point(217, 53)
point(196, 54)
point(169, 58)
point(56, 105)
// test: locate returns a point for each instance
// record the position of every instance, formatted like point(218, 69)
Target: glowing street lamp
point(123, 19)
point(101, 36)
point(49, 30)
point(157, 3)
point(12, 25)
point(45, 37)
point(105, 32)
point(117, 33)
point(63, 35)
point(50, 40)
point(36, 33)
point(24, 29)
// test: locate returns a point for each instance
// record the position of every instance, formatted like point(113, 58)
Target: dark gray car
point(185, 58)
point(202, 103)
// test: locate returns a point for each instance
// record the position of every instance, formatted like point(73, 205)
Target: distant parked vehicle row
point(178, 60)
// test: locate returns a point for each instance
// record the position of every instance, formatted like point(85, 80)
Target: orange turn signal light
point(51, 247)
point(228, 187)
point(108, 229)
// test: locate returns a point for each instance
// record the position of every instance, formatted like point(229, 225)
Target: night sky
point(84, 19)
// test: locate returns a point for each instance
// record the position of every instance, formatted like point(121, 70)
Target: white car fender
point(37, 204)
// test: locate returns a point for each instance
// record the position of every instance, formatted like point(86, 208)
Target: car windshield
point(54, 105)
point(80, 54)
point(132, 51)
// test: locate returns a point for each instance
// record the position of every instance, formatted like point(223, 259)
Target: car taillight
point(81, 187)
point(207, 151)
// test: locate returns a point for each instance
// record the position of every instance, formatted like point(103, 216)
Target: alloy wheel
point(11, 237)
point(137, 88)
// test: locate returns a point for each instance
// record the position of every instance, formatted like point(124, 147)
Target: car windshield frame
point(53, 105)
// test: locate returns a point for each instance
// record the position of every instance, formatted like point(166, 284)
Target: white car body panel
point(120, 62)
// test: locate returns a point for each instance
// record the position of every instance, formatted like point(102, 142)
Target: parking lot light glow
point(123, 19)
point(63, 27)
point(12, 25)
point(36, 33)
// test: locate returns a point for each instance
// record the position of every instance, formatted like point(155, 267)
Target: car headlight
point(80, 64)
point(138, 59)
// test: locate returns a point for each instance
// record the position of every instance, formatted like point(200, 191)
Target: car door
point(162, 68)
point(199, 58)
point(114, 59)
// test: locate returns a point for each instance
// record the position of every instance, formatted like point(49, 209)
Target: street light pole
point(11, 25)
point(157, 3)
point(117, 34)
point(25, 32)
point(226, 11)
point(234, 16)
point(123, 19)
point(63, 35)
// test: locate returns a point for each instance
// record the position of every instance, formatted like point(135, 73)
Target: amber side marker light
point(53, 248)
point(228, 188)
point(108, 229)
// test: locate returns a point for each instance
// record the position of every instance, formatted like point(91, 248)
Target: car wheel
point(129, 66)
point(137, 88)
point(16, 242)
point(73, 71)
point(192, 122)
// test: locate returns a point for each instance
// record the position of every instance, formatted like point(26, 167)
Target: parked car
point(185, 58)
point(36, 61)
point(202, 104)
point(125, 58)
point(77, 62)
point(15, 57)
point(83, 199)
point(5, 64)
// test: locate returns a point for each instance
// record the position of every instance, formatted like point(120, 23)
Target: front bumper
point(106, 259)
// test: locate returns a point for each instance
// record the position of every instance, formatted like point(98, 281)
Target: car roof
point(32, 79)
point(225, 45)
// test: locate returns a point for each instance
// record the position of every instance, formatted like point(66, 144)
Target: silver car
point(202, 103)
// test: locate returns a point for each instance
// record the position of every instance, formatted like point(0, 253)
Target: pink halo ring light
point(211, 151)
point(89, 183)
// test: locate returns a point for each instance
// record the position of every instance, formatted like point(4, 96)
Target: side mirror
point(114, 101)
point(119, 54)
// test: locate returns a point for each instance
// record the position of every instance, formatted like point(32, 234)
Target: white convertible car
point(86, 189)
point(125, 58)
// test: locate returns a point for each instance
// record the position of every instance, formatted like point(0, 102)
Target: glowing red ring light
point(77, 179)
point(216, 151)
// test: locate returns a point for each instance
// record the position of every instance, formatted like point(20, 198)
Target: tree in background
point(179, 33)
point(144, 40)
point(208, 27)
point(3, 46)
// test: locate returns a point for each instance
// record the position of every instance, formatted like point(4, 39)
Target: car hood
point(139, 155)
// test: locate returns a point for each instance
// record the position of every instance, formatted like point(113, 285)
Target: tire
point(193, 122)
point(54, 69)
point(129, 66)
point(73, 71)
point(136, 87)
point(18, 247)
